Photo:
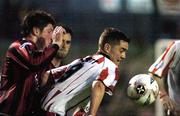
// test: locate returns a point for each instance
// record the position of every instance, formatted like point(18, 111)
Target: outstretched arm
point(159, 69)
point(55, 74)
point(98, 90)
point(166, 101)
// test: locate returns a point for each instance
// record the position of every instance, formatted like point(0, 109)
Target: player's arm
point(167, 102)
point(28, 57)
point(57, 74)
point(53, 74)
point(45, 57)
point(159, 70)
point(97, 94)
point(160, 82)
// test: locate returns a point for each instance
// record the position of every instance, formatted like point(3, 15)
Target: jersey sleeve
point(109, 78)
point(164, 62)
point(64, 72)
point(56, 73)
point(27, 56)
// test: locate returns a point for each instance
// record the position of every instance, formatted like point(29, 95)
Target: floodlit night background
point(144, 21)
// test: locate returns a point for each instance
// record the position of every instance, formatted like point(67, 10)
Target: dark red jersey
point(19, 79)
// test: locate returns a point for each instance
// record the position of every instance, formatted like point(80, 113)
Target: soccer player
point(98, 72)
point(64, 50)
point(168, 66)
point(24, 60)
point(58, 58)
point(56, 62)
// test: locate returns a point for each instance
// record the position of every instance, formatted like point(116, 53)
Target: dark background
point(144, 21)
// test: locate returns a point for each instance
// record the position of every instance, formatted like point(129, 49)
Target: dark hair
point(38, 19)
point(112, 36)
point(67, 28)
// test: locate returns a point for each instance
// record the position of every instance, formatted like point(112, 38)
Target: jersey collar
point(107, 56)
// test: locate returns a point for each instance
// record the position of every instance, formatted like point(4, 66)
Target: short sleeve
point(164, 62)
point(109, 78)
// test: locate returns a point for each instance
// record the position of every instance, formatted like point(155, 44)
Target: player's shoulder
point(177, 42)
point(175, 45)
point(107, 62)
point(22, 43)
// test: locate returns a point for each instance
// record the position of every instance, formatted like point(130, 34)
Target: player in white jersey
point(99, 72)
point(168, 66)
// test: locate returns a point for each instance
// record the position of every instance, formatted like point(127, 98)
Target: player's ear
point(107, 47)
point(35, 31)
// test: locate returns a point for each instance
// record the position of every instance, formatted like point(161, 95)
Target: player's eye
point(121, 50)
point(50, 31)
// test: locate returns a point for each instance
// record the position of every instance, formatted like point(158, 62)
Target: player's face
point(118, 52)
point(65, 46)
point(46, 34)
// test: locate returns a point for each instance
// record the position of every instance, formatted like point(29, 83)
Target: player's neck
point(104, 54)
point(56, 62)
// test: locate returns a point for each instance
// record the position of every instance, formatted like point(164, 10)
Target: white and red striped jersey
point(168, 65)
point(78, 76)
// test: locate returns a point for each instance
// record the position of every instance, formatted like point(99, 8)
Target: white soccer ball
point(143, 89)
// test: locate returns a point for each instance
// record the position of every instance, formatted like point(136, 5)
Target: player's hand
point(57, 35)
point(168, 103)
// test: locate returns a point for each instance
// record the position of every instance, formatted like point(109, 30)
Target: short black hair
point(112, 36)
point(37, 18)
point(67, 28)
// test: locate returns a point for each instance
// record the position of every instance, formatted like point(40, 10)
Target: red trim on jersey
point(103, 74)
point(167, 67)
point(155, 69)
point(100, 60)
point(167, 51)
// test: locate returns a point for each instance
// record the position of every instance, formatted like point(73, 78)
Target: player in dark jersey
point(24, 60)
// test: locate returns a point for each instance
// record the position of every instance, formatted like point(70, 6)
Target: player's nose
point(123, 56)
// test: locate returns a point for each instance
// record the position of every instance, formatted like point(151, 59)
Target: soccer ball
point(143, 89)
